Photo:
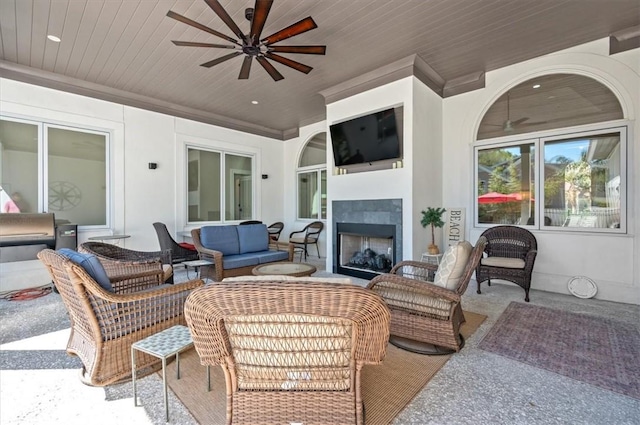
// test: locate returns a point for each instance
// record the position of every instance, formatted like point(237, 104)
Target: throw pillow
point(92, 266)
point(452, 265)
point(188, 246)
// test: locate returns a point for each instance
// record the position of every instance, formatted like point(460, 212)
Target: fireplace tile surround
point(366, 211)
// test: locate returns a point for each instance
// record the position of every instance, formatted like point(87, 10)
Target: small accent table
point(196, 264)
point(162, 345)
point(431, 258)
point(284, 268)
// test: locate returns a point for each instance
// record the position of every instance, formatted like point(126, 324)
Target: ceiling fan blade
point(307, 50)
point(217, 7)
point(246, 67)
point(306, 24)
point(534, 123)
point(196, 44)
point(519, 121)
point(290, 63)
point(220, 59)
point(269, 68)
point(195, 24)
point(260, 13)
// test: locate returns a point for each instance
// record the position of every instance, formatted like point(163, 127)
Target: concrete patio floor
point(39, 383)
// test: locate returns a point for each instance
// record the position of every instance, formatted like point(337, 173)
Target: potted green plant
point(433, 217)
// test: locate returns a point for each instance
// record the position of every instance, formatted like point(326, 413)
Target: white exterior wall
point(292, 152)
point(139, 195)
point(421, 139)
point(612, 261)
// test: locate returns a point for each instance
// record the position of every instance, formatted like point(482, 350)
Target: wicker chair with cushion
point(180, 252)
point(109, 314)
point(115, 258)
point(301, 239)
point(426, 315)
point(274, 230)
point(292, 351)
point(511, 252)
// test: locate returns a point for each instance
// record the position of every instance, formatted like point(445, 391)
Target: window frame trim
point(189, 142)
point(43, 169)
point(538, 139)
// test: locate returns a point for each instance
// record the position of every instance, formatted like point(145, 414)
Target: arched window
point(312, 179)
point(553, 177)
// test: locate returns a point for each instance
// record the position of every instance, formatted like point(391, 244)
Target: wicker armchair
point(291, 351)
point(274, 230)
point(426, 317)
point(511, 252)
point(301, 239)
point(105, 324)
point(179, 253)
point(115, 258)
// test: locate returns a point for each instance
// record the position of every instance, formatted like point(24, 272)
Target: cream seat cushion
point(452, 265)
point(504, 262)
point(167, 272)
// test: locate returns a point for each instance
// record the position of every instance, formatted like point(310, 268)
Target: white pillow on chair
point(452, 265)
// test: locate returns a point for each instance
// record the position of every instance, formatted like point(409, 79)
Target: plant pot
point(433, 249)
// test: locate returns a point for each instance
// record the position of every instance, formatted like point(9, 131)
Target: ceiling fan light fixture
point(251, 44)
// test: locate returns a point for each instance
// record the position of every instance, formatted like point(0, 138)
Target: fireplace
point(372, 227)
point(364, 250)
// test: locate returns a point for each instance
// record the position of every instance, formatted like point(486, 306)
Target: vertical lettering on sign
point(455, 226)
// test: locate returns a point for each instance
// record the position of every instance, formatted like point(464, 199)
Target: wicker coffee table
point(284, 268)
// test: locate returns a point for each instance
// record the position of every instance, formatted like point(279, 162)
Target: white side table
point(196, 264)
point(431, 258)
point(163, 345)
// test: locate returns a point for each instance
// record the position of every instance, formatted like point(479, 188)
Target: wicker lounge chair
point(104, 324)
point(291, 351)
point(426, 317)
point(511, 252)
point(112, 256)
point(179, 252)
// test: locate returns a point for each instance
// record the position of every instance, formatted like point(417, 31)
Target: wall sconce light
point(153, 165)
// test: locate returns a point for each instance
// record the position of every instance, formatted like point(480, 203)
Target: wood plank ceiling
point(121, 49)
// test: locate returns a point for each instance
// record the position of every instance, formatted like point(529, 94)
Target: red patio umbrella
point(498, 198)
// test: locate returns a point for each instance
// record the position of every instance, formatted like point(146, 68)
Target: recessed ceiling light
point(255, 102)
point(536, 86)
point(53, 38)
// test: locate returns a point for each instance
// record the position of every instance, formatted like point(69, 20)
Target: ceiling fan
point(508, 125)
point(251, 45)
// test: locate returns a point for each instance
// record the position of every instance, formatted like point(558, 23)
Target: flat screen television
point(370, 138)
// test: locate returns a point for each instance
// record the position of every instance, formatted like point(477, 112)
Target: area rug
point(595, 350)
point(386, 388)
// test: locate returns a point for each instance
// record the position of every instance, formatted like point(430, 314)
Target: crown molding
point(410, 66)
point(47, 79)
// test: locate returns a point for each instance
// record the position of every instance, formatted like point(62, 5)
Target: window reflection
point(582, 181)
point(506, 183)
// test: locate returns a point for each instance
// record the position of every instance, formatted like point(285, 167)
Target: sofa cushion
point(452, 265)
point(504, 262)
point(271, 256)
point(253, 238)
point(220, 238)
point(92, 266)
point(239, 260)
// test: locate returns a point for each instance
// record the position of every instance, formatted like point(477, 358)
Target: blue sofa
point(236, 250)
